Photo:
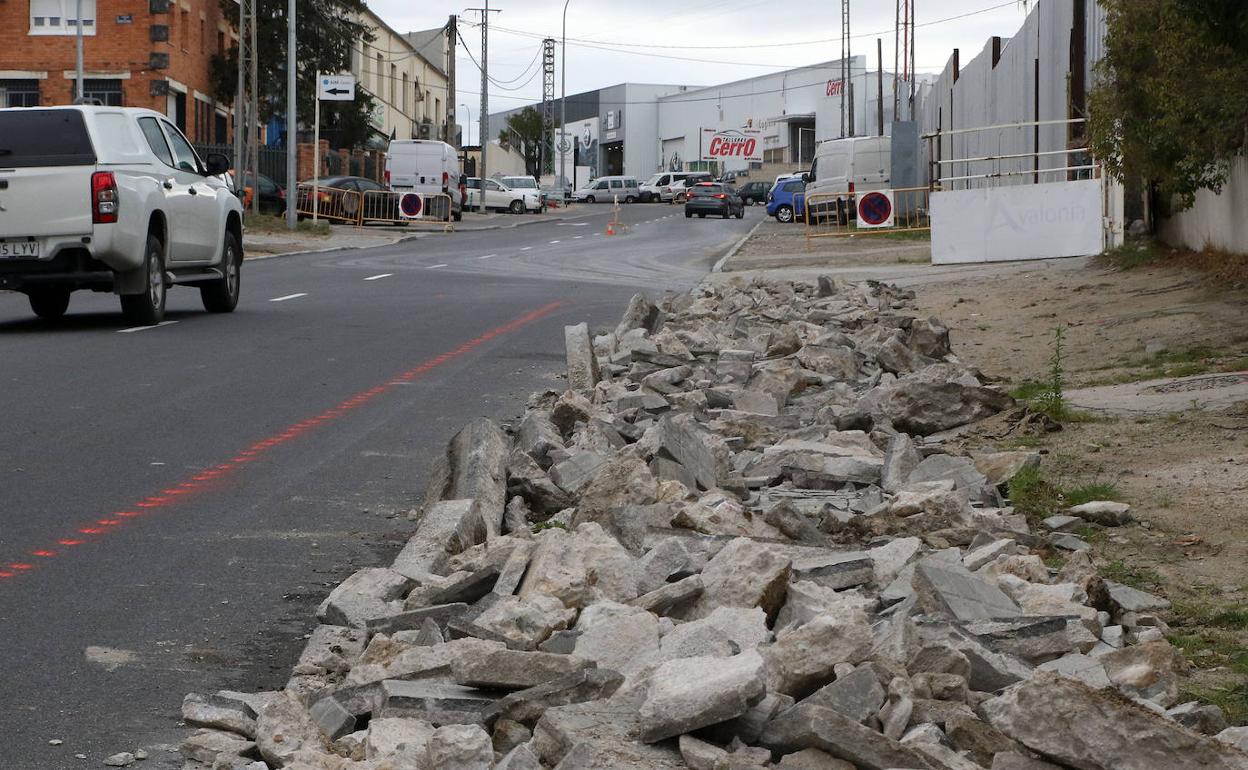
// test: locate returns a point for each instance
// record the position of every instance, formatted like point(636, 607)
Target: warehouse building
point(639, 129)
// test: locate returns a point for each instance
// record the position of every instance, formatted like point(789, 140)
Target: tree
point(527, 127)
point(327, 32)
point(1169, 107)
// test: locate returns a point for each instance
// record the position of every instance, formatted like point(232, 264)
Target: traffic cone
point(610, 228)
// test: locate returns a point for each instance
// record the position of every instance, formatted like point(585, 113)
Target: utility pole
point(897, 60)
point(879, 53)
point(548, 106)
point(78, 49)
point(245, 138)
point(910, 4)
point(452, 120)
point(846, 73)
point(292, 146)
point(563, 109)
point(484, 117)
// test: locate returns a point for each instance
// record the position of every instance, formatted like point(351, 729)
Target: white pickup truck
point(113, 199)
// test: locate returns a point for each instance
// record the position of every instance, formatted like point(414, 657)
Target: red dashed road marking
point(199, 483)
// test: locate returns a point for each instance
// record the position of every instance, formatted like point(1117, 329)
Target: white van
point(659, 186)
point(608, 189)
point(855, 165)
point(425, 166)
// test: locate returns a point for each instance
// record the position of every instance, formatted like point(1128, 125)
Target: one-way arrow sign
point(335, 88)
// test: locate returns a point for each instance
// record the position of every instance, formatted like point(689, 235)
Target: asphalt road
point(176, 500)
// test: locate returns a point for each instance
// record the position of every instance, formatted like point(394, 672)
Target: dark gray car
point(714, 198)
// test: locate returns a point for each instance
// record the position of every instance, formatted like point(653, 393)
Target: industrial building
point(639, 129)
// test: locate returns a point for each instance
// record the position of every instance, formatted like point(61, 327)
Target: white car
point(113, 199)
point(491, 194)
point(428, 167)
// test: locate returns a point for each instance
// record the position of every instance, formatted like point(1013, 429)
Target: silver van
point(609, 188)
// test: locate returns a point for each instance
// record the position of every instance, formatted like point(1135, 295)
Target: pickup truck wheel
point(221, 296)
point(148, 308)
point(49, 303)
point(516, 207)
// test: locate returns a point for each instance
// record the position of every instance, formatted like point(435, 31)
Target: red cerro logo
point(835, 87)
point(732, 145)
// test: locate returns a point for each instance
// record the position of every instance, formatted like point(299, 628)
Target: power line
point(611, 46)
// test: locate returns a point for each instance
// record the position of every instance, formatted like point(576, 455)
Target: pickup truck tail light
point(851, 188)
point(387, 177)
point(104, 198)
point(446, 181)
point(721, 196)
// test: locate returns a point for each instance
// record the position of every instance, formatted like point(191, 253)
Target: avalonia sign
point(738, 143)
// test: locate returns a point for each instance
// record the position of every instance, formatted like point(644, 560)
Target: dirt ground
point(772, 239)
point(1184, 474)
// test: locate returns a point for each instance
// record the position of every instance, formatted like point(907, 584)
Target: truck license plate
point(19, 249)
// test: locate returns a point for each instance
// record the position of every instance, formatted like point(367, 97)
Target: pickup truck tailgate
point(46, 163)
point(45, 201)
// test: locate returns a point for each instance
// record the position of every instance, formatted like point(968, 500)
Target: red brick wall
point(119, 47)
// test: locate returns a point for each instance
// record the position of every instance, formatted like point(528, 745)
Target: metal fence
point(272, 161)
point(837, 213)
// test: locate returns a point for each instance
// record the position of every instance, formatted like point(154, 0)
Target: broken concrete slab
point(369, 593)
point(950, 589)
point(1077, 726)
point(513, 670)
point(582, 363)
point(816, 727)
point(690, 693)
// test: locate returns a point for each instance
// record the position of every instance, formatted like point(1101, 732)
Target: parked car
point(528, 184)
point(272, 195)
point(714, 198)
point(332, 205)
point(428, 167)
point(491, 194)
point(113, 199)
point(610, 188)
point(729, 177)
point(787, 200)
point(754, 192)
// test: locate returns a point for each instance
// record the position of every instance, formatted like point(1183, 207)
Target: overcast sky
point(736, 38)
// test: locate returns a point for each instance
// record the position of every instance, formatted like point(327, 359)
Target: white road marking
point(525, 248)
point(488, 256)
point(578, 237)
point(435, 267)
point(378, 277)
point(572, 224)
point(144, 328)
point(552, 243)
point(289, 296)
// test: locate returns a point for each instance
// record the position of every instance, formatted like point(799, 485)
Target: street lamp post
point(563, 104)
point(468, 124)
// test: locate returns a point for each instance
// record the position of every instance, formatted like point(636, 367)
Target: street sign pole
point(316, 148)
point(292, 147)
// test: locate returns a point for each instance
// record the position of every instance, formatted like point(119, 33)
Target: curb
point(719, 266)
point(261, 257)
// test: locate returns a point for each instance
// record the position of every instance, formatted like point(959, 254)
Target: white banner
point(733, 143)
point(1016, 222)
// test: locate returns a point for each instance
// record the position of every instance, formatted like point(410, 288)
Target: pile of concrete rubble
point(741, 539)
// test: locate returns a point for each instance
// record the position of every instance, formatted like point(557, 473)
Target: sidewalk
point(261, 244)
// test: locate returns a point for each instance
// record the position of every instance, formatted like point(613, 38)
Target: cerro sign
point(732, 144)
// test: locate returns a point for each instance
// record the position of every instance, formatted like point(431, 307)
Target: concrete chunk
point(951, 589)
point(582, 363)
point(367, 594)
point(513, 670)
point(690, 693)
point(816, 727)
point(1075, 725)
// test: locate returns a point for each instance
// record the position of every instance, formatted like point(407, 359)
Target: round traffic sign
point(874, 208)
point(410, 205)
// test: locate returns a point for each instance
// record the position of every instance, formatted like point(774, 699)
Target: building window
point(203, 34)
point(380, 75)
point(394, 78)
point(59, 17)
point(107, 91)
point(220, 41)
point(185, 32)
point(405, 95)
point(19, 93)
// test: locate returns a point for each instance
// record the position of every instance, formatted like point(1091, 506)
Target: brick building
point(136, 53)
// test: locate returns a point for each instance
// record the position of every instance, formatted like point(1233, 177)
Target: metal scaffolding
point(545, 154)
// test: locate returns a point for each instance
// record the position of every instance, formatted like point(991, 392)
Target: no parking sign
point(410, 206)
point(875, 209)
